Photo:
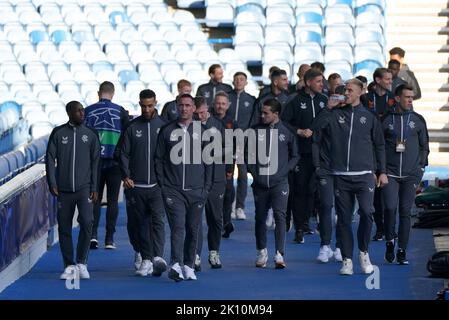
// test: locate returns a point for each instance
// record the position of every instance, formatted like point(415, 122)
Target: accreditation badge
point(400, 146)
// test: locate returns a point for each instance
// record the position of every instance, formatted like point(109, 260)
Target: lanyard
point(374, 101)
point(405, 129)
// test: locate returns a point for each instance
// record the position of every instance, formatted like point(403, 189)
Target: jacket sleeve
point(378, 146)
point(124, 118)
point(413, 82)
point(288, 114)
point(318, 125)
point(50, 158)
point(255, 116)
point(293, 153)
point(95, 163)
point(159, 158)
point(423, 137)
point(164, 111)
point(124, 152)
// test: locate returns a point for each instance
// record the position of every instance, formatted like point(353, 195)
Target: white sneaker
point(214, 259)
point(347, 268)
point(146, 267)
point(189, 273)
point(70, 272)
point(279, 261)
point(175, 272)
point(82, 269)
point(262, 258)
point(337, 255)
point(159, 266)
point(137, 260)
point(233, 215)
point(365, 263)
point(325, 254)
point(240, 214)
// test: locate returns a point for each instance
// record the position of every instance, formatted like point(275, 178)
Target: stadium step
point(422, 31)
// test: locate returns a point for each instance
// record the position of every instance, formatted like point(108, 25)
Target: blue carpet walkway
point(112, 273)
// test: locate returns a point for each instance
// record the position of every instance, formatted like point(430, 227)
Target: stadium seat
point(127, 75)
point(39, 129)
point(57, 117)
point(38, 36)
point(60, 35)
point(308, 18)
point(366, 68)
point(338, 52)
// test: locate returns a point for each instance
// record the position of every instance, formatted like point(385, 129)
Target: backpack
point(438, 264)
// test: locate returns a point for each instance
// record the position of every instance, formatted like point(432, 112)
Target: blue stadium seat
point(309, 17)
point(117, 17)
point(4, 170)
point(11, 105)
point(20, 159)
point(102, 65)
point(127, 75)
point(37, 36)
point(366, 68)
point(60, 35)
point(308, 37)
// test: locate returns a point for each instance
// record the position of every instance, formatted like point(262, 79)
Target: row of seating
point(17, 161)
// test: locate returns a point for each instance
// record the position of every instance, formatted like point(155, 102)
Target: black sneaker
point(299, 236)
point(307, 230)
point(401, 257)
point(93, 244)
point(379, 236)
point(395, 236)
point(228, 229)
point(389, 252)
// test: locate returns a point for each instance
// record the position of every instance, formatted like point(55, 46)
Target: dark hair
point(318, 65)
point(401, 88)
point(273, 68)
point(399, 51)
point(277, 73)
point(184, 95)
point(371, 85)
point(363, 79)
point(107, 87)
point(240, 73)
point(147, 94)
point(200, 101)
point(213, 67)
point(183, 83)
point(340, 89)
point(392, 62)
point(71, 105)
point(379, 72)
point(333, 76)
point(275, 106)
point(310, 74)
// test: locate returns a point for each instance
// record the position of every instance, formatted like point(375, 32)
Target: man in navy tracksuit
point(214, 204)
point(270, 186)
point(210, 89)
point(279, 87)
point(299, 114)
point(72, 160)
point(137, 149)
point(322, 163)
point(241, 105)
point(381, 102)
point(407, 148)
point(109, 120)
point(185, 180)
point(356, 141)
point(170, 110)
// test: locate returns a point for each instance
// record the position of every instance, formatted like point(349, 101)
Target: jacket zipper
point(184, 161)
point(269, 156)
point(149, 152)
point(349, 140)
point(237, 107)
point(402, 139)
point(313, 108)
point(73, 160)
